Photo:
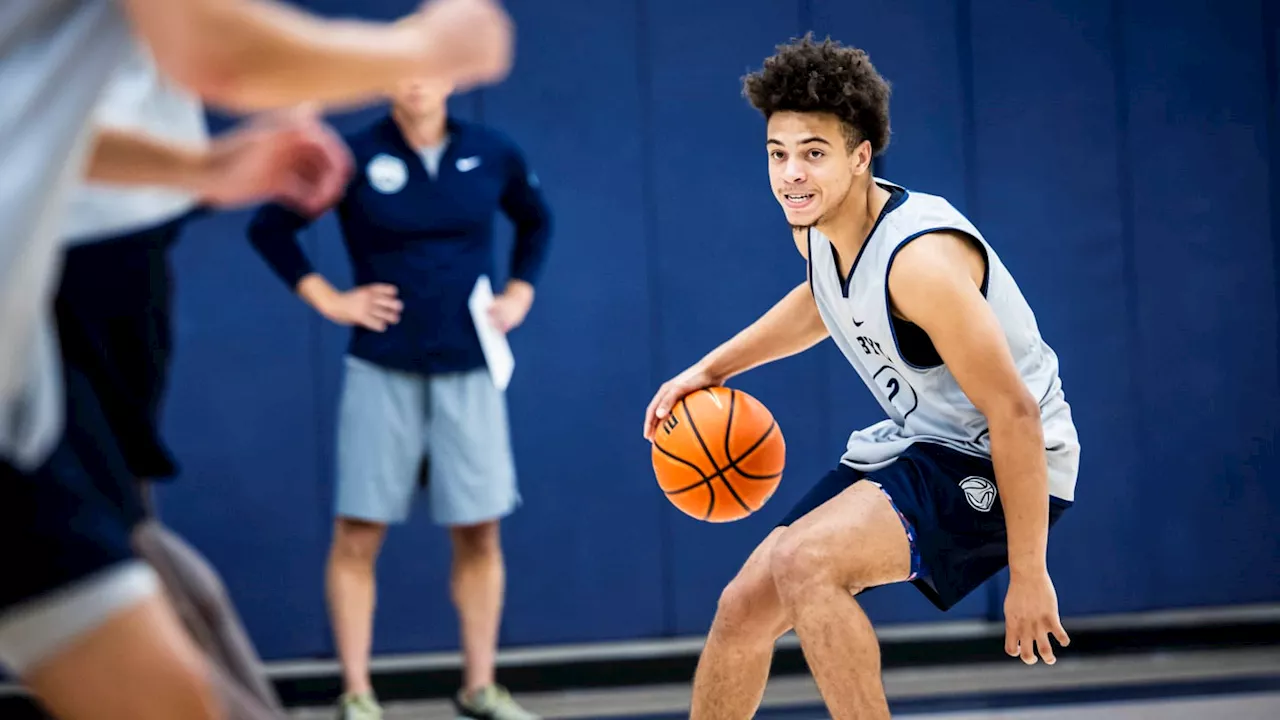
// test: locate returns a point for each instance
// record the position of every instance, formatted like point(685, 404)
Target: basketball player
point(81, 621)
point(113, 316)
point(418, 405)
point(978, 455)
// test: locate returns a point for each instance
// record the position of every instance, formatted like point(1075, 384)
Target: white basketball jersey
point(141, 99)
point(55, 58)
point(924, 401)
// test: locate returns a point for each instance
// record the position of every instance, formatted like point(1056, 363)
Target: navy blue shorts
point(114, 323)
point(947, 502)
point(74, 515)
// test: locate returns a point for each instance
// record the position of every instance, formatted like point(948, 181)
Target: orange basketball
point(718, 454)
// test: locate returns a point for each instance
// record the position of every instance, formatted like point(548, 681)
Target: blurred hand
point(509, 309)
point(471, 39)
point(373, 306)
point(289, 157)
point(1031, 615)
point(695, 378)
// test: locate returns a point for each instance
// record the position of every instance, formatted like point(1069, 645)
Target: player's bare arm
point(122, 157)
point(289, 157)
point(791, 326)
point(249, 55)
point(935, 283)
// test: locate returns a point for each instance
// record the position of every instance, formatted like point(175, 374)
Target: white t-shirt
point(55, 58)
point(137, 98)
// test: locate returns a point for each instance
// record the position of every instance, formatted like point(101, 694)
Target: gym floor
point(1237, 684)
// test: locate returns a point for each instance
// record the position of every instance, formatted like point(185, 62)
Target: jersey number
point(894, 387)
point(897, 391)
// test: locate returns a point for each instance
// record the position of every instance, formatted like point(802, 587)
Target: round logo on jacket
point(980, 492)
point(387, 174)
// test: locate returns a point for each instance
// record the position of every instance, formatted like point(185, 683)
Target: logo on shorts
point(980, 492)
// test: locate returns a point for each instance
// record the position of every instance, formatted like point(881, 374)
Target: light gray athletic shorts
point(390, 422)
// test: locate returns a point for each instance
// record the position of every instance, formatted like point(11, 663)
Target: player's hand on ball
point(1031, 616)
point(373, 307)
point(695, 378)
point(470, 39)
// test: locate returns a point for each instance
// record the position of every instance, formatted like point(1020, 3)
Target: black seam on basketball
point(728, 433)
point(679, 459)
point(706, 479)
point(687, 488)
point(694, 427)
point(720, 472)
point(725, 479)
point(734, 464)
point(711, 504)
point(728, 452)
point(728, 426)
point(712, 478)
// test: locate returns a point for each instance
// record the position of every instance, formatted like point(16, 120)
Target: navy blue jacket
point(430, 238)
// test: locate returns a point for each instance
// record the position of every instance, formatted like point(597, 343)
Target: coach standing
point(417, 221)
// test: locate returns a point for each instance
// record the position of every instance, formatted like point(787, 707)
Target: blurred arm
point(250, 55)
point(123, 157)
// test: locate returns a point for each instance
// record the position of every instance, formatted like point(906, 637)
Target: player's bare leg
point(734, 666)
point(139, 665)
point(852, 542)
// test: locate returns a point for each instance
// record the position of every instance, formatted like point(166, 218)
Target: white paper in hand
point(493, 342)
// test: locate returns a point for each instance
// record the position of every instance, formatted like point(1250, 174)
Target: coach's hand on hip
point(373, 307)
point(1031, 615)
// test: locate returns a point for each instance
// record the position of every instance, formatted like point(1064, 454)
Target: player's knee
point(748, 612)
point(737, 601)
point(799, 562)
point(357, 542)
point(748, 605)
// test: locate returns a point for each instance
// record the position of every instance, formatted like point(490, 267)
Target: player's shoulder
point(937, 264)
point(914, 211)
point(936, 248)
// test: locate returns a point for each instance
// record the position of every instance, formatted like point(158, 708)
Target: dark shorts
point(71, 517)
point(948, 505)
point(114, 318)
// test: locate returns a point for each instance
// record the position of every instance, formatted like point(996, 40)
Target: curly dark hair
point(807, 76)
